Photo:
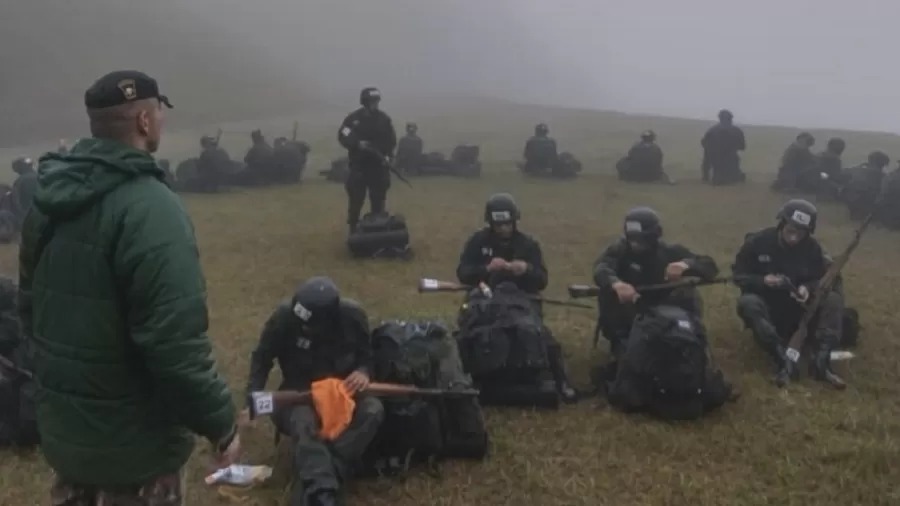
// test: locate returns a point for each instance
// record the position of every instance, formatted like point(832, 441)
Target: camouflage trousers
point(164, 491)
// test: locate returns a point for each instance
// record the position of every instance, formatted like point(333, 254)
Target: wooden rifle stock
point(266, 402)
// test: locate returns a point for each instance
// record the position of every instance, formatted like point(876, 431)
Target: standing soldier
point(410, 150)
point(721, 145)
point(368, 136)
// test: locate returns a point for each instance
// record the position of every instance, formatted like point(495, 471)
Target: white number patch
point(263, 404)
point(801, 217)
point(346, 131)
point(684, 324)
point(792, 355)
point(301, 312)
point(501, 216)
point(429, 284)
point(633, 226)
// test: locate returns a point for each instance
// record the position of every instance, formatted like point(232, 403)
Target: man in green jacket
point(113, 307)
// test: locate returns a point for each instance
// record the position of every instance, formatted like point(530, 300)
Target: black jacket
point(619, 263)
point(365, 125)
point(484, 245)
point(540, 152)
point(302, 359)
point(763, 253)
point(722, 142)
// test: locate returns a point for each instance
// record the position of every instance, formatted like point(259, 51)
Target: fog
point(797, 62)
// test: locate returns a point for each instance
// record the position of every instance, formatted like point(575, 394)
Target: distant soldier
point(540, 151)
point(830, 170)
point(889, 212)
point(644, 161)
point(260, 160)
point(289, 159)
point(213, 167)
point(24, 187)
point(369, 137)
point(798, 167)
point(864, 185)
point(410, 151)
point(721, 145)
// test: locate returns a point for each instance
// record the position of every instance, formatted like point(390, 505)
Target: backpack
point(422, 430)
point(502, 338)
point(380, 236)
point(464, 160)
point(665, 368)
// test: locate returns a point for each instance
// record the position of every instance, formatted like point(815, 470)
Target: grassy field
point(803, 445)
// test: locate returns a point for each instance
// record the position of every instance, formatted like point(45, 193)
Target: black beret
point(121, 87)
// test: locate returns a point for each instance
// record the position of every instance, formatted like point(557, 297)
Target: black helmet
point(411, 127)
point(648, 135)
point(725, 115)
point(316, 302)
point(501, 208)
point(879, 159)
point(642, 223)
point(541, 129)
point(369, 95)
point(836, 145)
point(799, 212)
point(22, 164)
point(206, 140)
point(806, 137)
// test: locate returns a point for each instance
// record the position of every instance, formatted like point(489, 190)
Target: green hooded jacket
point(113, 311)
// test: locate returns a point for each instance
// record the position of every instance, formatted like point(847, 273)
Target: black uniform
point(771, 313)
point(261, 166)
point(410, 153)
point(23, 190)
point(864, 186)
point(889, 212)
point(540, 154)
point(214, 167)
point(369, 171)
point(643, 164)
point(721, 145)
point(620, 263)
point(335, 349)
point(797, 171)
point(484, 245)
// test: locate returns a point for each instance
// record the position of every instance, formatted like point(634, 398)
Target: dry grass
point(805, 445)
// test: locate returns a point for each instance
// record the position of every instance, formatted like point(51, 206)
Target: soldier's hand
point(801, 295)
point(773, 280)
point(357, 382)
point(675, 270)
point(230, 454)
point(625, 292)
point(497, 264)
point(518, 267)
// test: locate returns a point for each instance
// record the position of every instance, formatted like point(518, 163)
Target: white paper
point(263, 403)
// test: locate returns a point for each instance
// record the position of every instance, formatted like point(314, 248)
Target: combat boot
point(820, 369)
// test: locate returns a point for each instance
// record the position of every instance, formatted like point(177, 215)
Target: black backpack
point(380, 236)
point(502, 338)
point(425, 429)
point(665, 369)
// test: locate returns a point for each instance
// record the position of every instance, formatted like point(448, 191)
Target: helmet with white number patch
point(800, 213)
point(501, 208)
point(316, 303)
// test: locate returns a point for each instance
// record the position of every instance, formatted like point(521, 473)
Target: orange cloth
point(334, 405)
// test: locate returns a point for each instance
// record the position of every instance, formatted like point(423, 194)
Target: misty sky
point(815, 63)
point(796, 62)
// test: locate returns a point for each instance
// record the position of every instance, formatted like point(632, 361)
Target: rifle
point(7, 363)
point(792, 354)
point(433, 285)
point(387, 163)
point(266, 402)
point(218, 136)
point(581, 291)
point(294, 134)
